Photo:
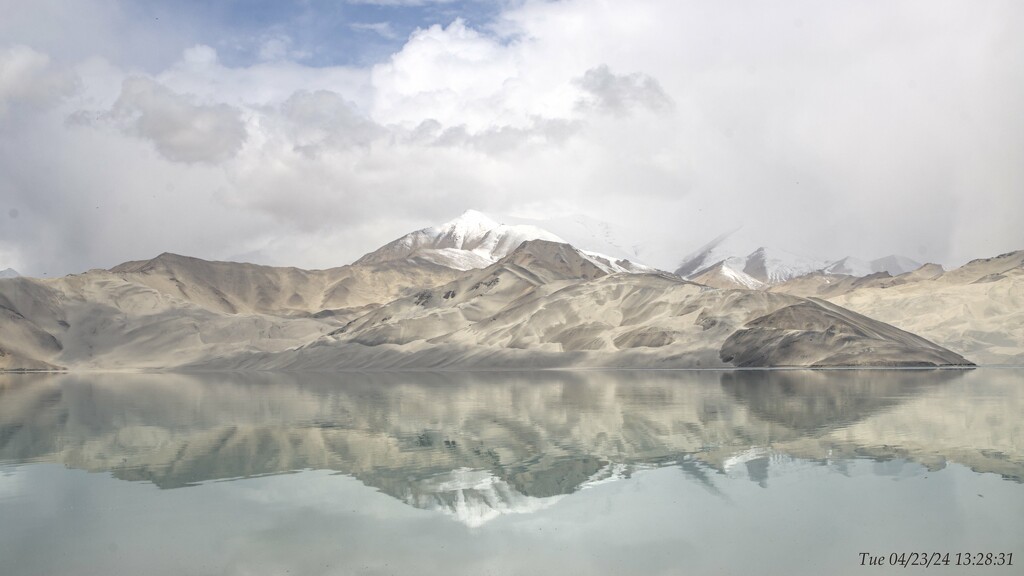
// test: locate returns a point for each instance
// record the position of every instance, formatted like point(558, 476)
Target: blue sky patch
point(315, 32)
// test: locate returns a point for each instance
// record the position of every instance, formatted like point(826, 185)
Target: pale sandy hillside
point(101, 320)
point(547, 305)
point(174, 310)
point(234, 288)
point(544, 304)
point(976, 310)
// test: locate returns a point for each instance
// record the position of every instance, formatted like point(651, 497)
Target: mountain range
point(733, 261)
point(474, 293)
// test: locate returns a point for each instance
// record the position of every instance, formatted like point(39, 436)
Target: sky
point(309, 132)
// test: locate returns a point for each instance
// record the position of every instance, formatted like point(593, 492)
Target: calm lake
point(751, 472)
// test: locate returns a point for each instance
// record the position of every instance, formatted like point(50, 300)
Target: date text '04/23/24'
point(928, 560)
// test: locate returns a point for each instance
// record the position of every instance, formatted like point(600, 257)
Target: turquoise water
point(795, 472)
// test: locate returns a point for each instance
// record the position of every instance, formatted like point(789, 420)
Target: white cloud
point(459, 76)
point(320, 120)
point(181, 130)
point(382, 29)
point(29, 81)
point(199, 56)
point(845, 127)
point(199, 72)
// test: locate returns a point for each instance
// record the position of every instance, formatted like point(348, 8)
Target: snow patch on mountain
point(731, 270)
point(727, 274)
point(9, 273)
point(582, 230)
point(613, 266)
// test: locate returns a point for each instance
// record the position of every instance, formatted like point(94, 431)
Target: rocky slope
point(173, 310)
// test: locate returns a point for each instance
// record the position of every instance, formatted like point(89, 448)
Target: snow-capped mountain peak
point(732, 261)
point(473, 240)
point(775, 266)
point(707, 256)
point(9, 273)
point(850, 266)
point(741, 259)
point(470, 225)
point(727, 273)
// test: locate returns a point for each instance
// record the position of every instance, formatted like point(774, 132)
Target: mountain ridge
point(547, 305)
point(732, 261)
point(976, 309)
point(542, 304)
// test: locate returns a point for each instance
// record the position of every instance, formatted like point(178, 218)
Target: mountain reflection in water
point(476, 446)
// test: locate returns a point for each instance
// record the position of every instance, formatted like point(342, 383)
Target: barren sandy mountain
point(822, 285)
point(818, 333)
point(29, 315)
point(173, 310)
point(976, 310)
point(547, 305)
point(234, 288)
point(101, 320)
point(544, 304)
